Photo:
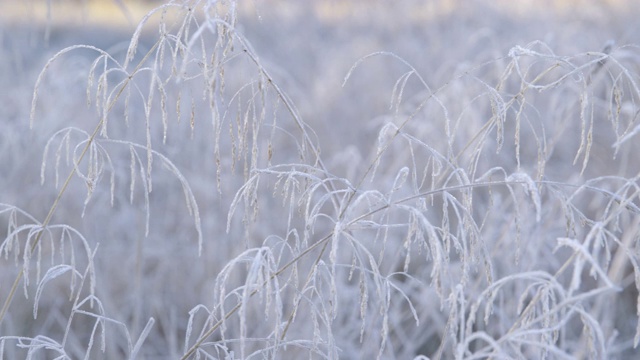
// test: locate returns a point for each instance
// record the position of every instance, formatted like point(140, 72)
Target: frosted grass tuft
point(491, 213)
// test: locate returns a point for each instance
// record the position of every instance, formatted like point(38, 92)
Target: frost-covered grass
point(285, 182)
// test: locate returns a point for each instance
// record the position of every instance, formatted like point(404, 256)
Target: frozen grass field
point(319, 180)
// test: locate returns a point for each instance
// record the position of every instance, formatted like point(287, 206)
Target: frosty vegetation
point(445, 194)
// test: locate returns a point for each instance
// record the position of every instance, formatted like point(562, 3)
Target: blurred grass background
point(115, 12)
